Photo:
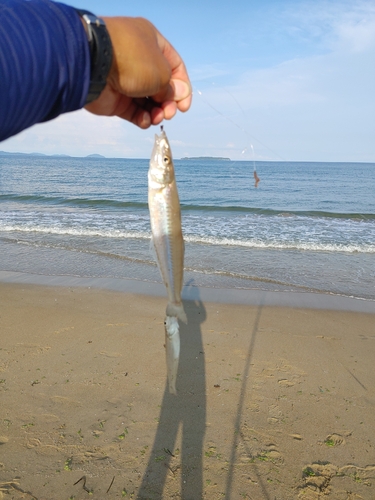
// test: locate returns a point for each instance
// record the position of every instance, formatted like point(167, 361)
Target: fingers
point(178, 91)
point(144, 119)
point(142, 112)
point(178, 88)
point(157, 111)
point(148, 81)
point(183, 94)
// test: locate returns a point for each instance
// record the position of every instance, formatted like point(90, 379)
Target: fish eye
point(166, 159)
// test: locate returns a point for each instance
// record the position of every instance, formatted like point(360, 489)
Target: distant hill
point(6, 153)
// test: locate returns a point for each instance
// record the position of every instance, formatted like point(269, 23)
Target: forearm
point(45, 68)
point(44, 63)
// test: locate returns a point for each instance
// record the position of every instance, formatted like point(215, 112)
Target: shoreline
point(251, 297)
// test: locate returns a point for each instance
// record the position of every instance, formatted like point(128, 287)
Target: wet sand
point(273, 402)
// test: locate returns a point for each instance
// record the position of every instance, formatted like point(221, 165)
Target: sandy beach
point(273, 402)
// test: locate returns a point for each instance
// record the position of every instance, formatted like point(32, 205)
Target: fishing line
point(247, 134)
point(250, 136)
point(256, 178)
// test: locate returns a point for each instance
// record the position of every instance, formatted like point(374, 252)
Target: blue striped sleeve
point(44, 63)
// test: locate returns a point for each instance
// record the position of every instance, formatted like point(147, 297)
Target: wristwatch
point(100, 52)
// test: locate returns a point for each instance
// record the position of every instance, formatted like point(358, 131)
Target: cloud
point(332, 25)
point(357, 36)
point(317, 108)
point(81, 133)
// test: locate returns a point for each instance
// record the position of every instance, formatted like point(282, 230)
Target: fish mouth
point(161, 143)
point(163, 135)
point(159, 138)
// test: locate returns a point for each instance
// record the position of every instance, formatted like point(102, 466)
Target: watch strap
point(100, 53)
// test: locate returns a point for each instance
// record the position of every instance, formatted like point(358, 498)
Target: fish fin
point(172, 344)
point(177, 311)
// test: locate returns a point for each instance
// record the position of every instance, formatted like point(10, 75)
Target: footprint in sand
point(258, 447)
point(318, 476)
point(274, 414)
point(334, 440)
point(286, 374)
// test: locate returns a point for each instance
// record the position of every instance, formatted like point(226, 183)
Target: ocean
point(308, 227)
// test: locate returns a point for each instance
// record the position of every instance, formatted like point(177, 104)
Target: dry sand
point(273, 403)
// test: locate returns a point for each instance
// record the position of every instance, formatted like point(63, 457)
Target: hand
point(148, 81)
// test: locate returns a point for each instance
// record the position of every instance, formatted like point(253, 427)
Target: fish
point(168, 243)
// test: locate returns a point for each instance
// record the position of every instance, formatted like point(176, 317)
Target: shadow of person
point(185, 412)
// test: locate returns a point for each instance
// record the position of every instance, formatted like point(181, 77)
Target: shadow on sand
point(237, 435)
point(184, 413)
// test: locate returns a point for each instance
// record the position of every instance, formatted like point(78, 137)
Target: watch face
point(92, 19)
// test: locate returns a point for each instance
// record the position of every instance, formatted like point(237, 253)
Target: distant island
point(206, 158)
point(6, 153)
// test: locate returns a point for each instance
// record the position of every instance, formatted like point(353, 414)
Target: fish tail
point(176, 310)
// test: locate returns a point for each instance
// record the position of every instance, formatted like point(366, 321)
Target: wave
point(282, 245)
point(151, 262)
point(59, 231)
point(281, 213)
point(241, 276)
point(185, 207)
point(73, 202)
point(251, 243)
point(259, 280)
point(64, 246)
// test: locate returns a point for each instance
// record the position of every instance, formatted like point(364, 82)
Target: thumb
point(176, 90)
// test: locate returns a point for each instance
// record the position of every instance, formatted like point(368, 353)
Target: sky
point(290, 80)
